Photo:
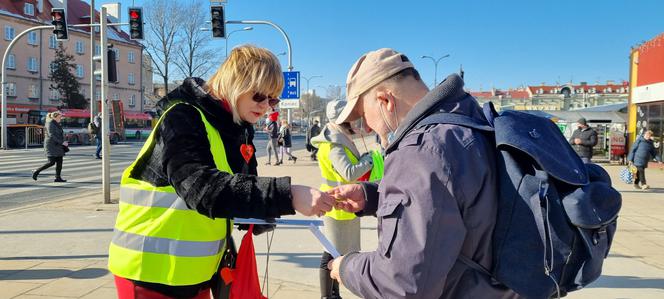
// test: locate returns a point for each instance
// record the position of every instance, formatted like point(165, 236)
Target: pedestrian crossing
point(80, 168)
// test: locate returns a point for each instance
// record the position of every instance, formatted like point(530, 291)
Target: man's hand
point(65, 143)
point(577, 140)
point(349, 198)
point(334, 266)
point(309, 201)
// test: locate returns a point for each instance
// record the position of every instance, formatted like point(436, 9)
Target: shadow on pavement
point(304, 260)
point(32, 274)
point(628, 282)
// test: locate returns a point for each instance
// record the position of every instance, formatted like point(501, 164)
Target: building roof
point(78, 12)
point(599, 88)
point(605, 108)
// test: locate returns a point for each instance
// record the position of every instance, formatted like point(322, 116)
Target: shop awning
point(76, 113)
point(137, 115)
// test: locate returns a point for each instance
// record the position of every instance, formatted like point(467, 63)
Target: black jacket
point(588, 138)
point(54, 139)
point(181, 157)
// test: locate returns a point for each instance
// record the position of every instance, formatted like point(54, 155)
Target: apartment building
point(28, 64)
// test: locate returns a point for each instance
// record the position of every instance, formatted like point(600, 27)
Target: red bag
point(245, 275)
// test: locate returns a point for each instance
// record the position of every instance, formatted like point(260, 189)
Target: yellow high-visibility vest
point(157, 237)
point(331, 178)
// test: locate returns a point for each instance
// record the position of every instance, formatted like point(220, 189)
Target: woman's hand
point(309, 201)
point(66, 143)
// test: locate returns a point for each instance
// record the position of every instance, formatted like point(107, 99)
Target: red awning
point(137, 115)
point(76, 113)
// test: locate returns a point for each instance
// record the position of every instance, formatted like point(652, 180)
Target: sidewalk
point(59, 250)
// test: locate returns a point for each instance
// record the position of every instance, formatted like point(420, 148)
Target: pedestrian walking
point(95, 130)
point(583, 139)
point(272, 130)
point(286, 141)
point(313, 132)
point(340, 163)
point(55, 146)
point(641, 154)
point(197, 171)
point(437, 197)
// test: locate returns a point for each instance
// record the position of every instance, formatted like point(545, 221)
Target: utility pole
point(93, 81)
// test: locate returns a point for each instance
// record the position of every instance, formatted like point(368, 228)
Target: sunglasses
point(259, 98)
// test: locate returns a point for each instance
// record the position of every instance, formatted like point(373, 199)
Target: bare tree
point(164, 18)
point(194, 57)
point(335, 92)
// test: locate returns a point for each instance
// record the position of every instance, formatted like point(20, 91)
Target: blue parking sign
point(291, 85)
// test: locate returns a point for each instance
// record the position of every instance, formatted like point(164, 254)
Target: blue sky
point(499, 43)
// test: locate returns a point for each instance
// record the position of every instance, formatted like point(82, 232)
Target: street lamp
point(435, 62)
point(248, 28)
point(281, 54)
point(305, 78)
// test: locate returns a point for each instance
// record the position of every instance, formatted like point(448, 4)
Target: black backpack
point(556, 216)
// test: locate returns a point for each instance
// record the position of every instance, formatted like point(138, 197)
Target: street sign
point(289, 104)
point(291, 86)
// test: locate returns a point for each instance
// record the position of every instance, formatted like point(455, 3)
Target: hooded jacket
point(181, 157)
point(54, 139)
point(436, 201)
point(340, 162)
point(643, 152)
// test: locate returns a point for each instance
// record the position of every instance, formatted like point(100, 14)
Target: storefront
point(646, 107)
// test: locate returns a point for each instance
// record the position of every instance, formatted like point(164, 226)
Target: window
point(29, 9)
point(33, 92)
point(32, 38)
point(132, 100)
point(79, 47)
point(32, 64)
point(130, 57)
point(97, 50)
point(55, 95)
point(97, 95)
point(52, 42)
point(117, 54)
point(51, 67)
point(116, 97)
point(9, 32)
point(11, 89)
point(79, 71)
point(11, 62)
point(98, 77)
point(132, 79)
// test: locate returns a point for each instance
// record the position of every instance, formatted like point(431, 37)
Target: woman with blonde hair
point(286, 141)
point(196, 172)
point(54, 146)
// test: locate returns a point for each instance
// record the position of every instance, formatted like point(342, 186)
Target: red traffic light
point(134, 14)
point(56, 16)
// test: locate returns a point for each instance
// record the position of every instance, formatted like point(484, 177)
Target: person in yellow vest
point(196, 171)
point(340, 163)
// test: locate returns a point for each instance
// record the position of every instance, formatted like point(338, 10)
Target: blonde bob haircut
point(247, 69)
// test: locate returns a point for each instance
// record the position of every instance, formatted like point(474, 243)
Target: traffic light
point(112, 71)
point(135, 23)
point(59, 20)
point(218, 22)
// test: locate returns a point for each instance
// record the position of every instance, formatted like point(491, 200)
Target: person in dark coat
point(583, 139)
point(232, 100)
point(287, 142)
point(437, 199)
point(54, 146)
point(313, 132)
point(643, 152)
point(97, 134)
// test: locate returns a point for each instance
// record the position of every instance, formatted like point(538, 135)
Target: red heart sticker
point(247, 152)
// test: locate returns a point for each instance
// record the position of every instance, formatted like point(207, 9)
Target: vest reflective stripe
point(157, 237)
point(152, 199)
point(168, 246)
point(332, 178)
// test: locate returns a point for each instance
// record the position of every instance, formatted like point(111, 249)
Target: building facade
point(28, 64)
point(646, 101)
point(556, 97)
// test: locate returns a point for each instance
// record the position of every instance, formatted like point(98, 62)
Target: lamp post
point(248, 28)
point(435, 62)
point(305, 78)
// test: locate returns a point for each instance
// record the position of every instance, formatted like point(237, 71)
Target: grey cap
point(334, 108)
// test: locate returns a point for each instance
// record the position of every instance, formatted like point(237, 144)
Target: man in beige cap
point(436, 201)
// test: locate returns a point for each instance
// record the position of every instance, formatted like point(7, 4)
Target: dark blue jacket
point(643, 152)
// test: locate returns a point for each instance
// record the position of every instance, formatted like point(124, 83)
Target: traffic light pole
point(288, 43)
point(105, 158)
point(93, 81)
point(4, 134)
